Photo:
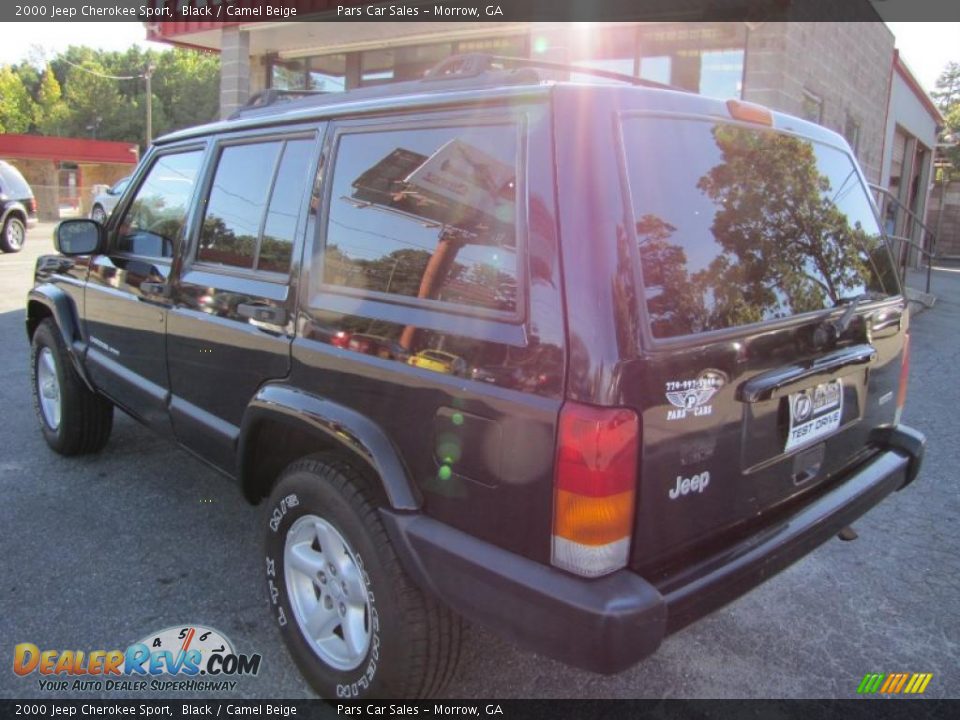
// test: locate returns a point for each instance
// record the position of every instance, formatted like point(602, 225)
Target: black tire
point(414, 646)
point(86, 418)
point(13, 235)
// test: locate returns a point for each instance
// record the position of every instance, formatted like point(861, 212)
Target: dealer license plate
point(814, 413)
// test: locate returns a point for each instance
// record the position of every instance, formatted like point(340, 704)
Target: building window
point(721, 73)
point(329, 73)
point(811, 107)
point(657, 69)
point(324, 73)
point(705, 58)
point(851, 131)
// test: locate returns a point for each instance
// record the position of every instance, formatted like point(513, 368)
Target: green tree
point(947, 92)
point(52, 111)
point(104, 92)
point(17, 108)
point(947, 97)
point(94, 102)
point(186, 84)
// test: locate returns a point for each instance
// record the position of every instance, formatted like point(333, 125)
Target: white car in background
point(106, 201)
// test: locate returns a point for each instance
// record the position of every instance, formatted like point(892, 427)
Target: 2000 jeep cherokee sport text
point(543, 355)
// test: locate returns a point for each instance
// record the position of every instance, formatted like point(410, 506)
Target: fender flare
point(355, 433)
point(14, 208)
point(64, 312)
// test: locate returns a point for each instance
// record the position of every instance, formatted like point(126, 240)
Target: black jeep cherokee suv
point(636, 351)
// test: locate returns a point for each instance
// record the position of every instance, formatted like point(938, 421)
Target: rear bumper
point(606, 625)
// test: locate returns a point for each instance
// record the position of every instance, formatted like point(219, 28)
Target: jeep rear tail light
point(904, 377)
point(595, 481)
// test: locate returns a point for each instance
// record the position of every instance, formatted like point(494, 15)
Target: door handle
point(766, 385)
point(263, 313)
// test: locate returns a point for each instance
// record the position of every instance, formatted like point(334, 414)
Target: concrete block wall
point(43, 179)
point(948, 244)
point(846, 65)
point(234, 70)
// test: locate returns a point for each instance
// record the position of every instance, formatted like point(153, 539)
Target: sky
point(926, 47)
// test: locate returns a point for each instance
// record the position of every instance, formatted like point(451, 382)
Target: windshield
point(739, 225)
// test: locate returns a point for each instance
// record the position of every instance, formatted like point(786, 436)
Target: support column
point(234, 70)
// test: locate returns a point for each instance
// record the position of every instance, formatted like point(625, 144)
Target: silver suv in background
point(106, 201)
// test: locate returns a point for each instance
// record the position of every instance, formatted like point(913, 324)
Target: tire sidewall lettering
point(281, 518)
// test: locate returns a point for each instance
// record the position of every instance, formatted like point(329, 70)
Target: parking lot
point(98, 552)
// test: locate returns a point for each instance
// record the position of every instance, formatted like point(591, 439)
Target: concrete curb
point(919, 301)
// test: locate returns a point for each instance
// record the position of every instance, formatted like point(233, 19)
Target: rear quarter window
point(737, 225)
point(426, 213)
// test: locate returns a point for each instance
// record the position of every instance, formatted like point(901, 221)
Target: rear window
point(13, 184)
point(739, 225)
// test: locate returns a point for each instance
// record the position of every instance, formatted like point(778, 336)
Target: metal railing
point(927, 247)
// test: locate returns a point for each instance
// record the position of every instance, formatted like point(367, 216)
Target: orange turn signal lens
point(748, 112)
point(593, 520)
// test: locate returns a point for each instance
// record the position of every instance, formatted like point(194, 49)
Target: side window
point(246, 224)
point(276, 246)
point(428, 214)
point(155, 218)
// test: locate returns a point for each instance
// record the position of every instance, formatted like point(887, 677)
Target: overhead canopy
point(78, 150)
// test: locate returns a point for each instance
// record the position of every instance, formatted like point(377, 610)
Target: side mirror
point(78, 237)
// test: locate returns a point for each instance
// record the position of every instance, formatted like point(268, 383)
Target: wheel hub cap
point(14, 234)
point(327, 592)
point(48, 388)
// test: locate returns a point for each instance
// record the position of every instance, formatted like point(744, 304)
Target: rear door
point(773, 323)
point(231, 321)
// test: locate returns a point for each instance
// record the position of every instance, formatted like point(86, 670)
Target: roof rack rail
point(481, 68)
point(474, 64)
point(271, 96)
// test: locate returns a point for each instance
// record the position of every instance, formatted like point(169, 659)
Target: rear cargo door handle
point(768, 384)
point(263, 313)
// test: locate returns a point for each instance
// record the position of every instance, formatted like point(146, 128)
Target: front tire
point(355, 624)
point(74, 420)
point(13, 235)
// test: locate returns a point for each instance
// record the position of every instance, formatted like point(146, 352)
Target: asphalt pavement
point(101, 551)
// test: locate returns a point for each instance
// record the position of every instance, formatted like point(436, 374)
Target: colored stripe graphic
point(894, 683)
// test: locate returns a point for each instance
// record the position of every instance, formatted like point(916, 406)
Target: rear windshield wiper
point(835, 328)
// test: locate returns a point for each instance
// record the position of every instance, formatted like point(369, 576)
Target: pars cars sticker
point(692, 397)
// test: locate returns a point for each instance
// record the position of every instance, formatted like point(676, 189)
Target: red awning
point(38, 147)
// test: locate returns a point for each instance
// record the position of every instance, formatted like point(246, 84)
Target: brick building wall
point(948, 243)
point(844, 66)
